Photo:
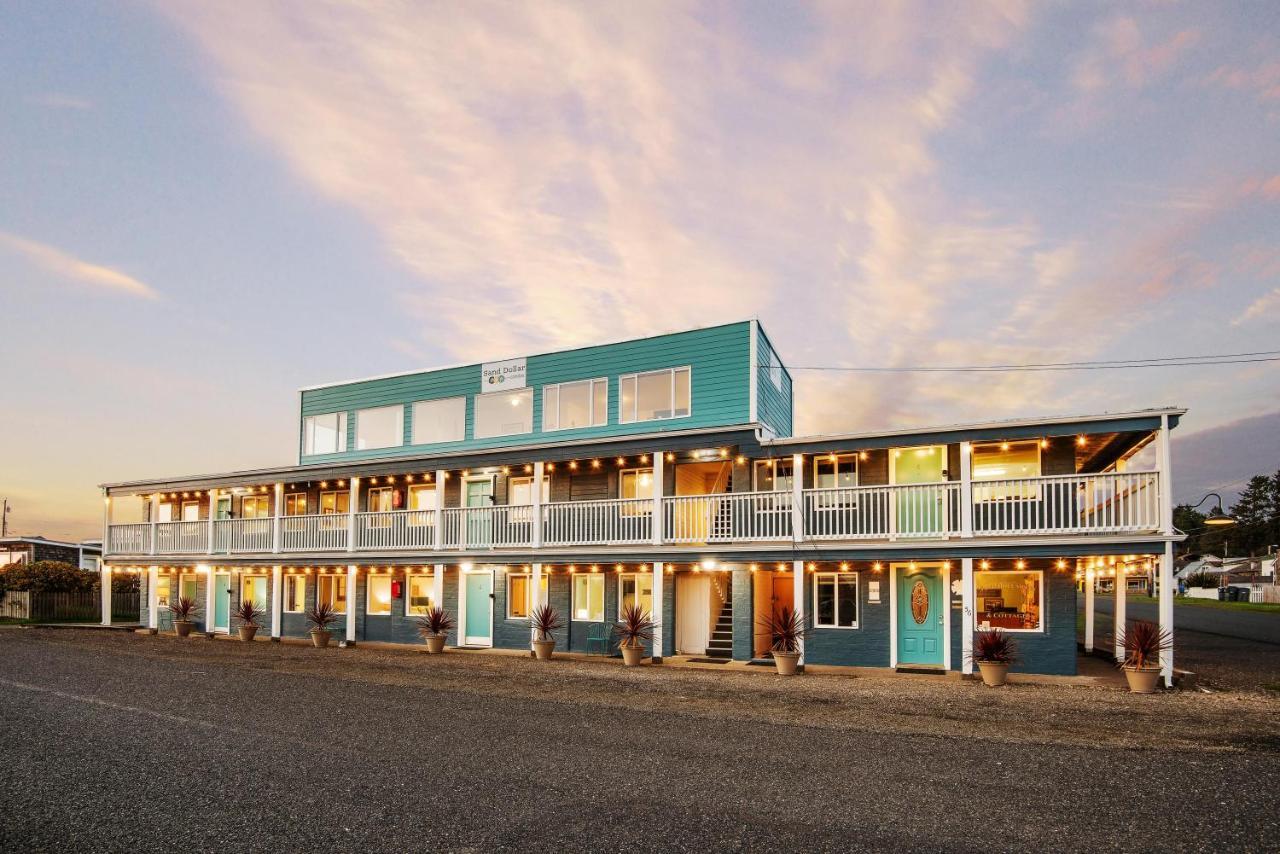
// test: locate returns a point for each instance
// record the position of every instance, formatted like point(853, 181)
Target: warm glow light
point(528, 467)
point(1004, 446)
point(724, 453)
point(1080, 440)
point(1062, 564)
point(644, 458)
point(573, 465)
point(708, 563)
point(1044, 443)
point(551, 466)
point(671, 458)
point(622, 461)
point(595, 464)
point(986, 564)
point(862, 455)
point(1021, 564)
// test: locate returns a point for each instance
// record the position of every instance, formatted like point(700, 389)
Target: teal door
point(918, 510)
point(479, 521)
point(222, 602)
point(479, 610)
point(920, 616)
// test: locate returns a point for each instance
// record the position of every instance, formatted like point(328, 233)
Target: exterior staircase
point(721, 643)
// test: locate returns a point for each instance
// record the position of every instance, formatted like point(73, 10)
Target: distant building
point(86, 555)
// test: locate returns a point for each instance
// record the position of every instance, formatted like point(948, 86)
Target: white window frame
point(309, 433)
point(460, 400)
point(857, 599)
point(523, 511)
point(429, 580)
point(546, 586)
point(573, 604)
point(258, 502)
point(196, 505)
point(336, 578)
point(1026, 492)
point(266, 587)
point(1044, 605)
point(182, 580)
point(632, 416)
point(421, 516)
point(291, 498)
point(637, 577)
point(398, 410)
point(594, 419)
point(772, 464)
point(286, 599)
point(166, 582)
point(368, 594)
point(490, 399)
point(338, 495)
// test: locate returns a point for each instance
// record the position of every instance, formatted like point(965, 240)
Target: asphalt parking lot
point(118, 742)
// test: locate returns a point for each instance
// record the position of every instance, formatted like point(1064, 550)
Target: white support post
point(437, 587)
point(208, 601)
point(442, 477)
point(353, 501)
point(104, 579)
point(536, 596)
point(279, 511)
point(1090, 582)
point(1166, 476)
point(797, 568)
point(213, 516)
point(658, 515)
point(353, 602)
point(797, 500)
point(535, 495)
point(106, 523)
point(657, 612)
point(153, 517)
point(966, 499)
point(1121, 582)
point(277, 605)
point(153, 597)
point(1166, 611)
point(967, 601)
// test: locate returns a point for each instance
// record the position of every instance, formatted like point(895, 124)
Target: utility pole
point(4, 519)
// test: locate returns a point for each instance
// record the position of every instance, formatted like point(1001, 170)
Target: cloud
point(1261, 80)
point(1265, 306)
point(60, 101)
point(58, 262)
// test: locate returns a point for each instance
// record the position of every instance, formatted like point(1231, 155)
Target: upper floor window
point(775, 370)
point(295, 504)
point(576, 404)
point(834, 471)
point(255, 507)
point(635, 483)
point(324, 434)
point(1002, 462)
point(507, 413)
point(380, 427)
point(773, 475)
point(442, 420)
point(654, 395)
point(379, 500)
point(335, 502)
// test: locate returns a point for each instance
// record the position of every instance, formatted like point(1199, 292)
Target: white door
point(693, 613)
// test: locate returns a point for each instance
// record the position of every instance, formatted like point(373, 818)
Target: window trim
point(773, 467)
point(413, 432)
point(320, 511)
point(368, 594)
point(289, 498)
point(857, 598)
point(309, 433)
point(285, 600)
point(546, 583)
point(635, 399)
point(573, 591)
point(399, 442)
point(596, 419)
point(821, 458)
point(342, 576)
point(430, 579)
point(502, 395)
point(266, 586)
point(257, 500)
point(1044, 604)
point(623, 576)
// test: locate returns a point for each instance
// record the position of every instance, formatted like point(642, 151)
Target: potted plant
point(321, 616)
point(1143, 641)
point(434, 627)
point(786, 628)
point(993, 652)
point(248, 615)
point(544, 621)
point(633, 628)
point(183, 609)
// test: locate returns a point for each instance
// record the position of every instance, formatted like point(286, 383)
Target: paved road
point(115, 753)
point(1261, 626)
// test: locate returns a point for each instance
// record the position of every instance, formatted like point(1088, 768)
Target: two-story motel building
point(662, 470)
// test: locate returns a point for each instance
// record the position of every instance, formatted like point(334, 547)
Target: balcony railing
point(1110, 503)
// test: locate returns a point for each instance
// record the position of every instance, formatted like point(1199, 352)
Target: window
point(253, 588)
point(835, 471)
point(835, 600)
point(1012, 601)
point(578, 404)
point(520, 497)
point(588, 598)
point(1002, 462)
point(519, 595)
point(505, 413)
point(12, 556)
point(773, 475)
point(379, 500)
point(324, 434)
point(422, 498)
point(440, 421)
point(164, 512)
point(775, 369)
point(636, 589)
point(295, 594)
point(191, 511)
point(333, 589)
point(164, 587)
point(255, 507)
point(380, 427)
point(295, 504)
point(378, 595)
point(419, 601)
point(654, 395)
point(188, 585)
point(335, 502)
point(635, 483)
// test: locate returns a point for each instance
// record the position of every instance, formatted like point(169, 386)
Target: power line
point(1108, 364)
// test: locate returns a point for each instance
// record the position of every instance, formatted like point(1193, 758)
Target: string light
point(1080, 440)
point(863, 455)
point(724, 453)
point(644, 458)
point(622, 461)
point(1021, 564)
point(551, 466)
point(671, 458)
point(595, 464)
point(573, 465)
point(741, 460)
point(528, 467)
point(986, 564)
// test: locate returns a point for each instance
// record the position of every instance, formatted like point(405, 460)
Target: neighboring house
point(662, 471)
point(86, 555)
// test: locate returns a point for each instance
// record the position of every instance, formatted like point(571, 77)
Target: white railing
point(133, 539)
point(617, 521)
point(176, 538)
point(921, 510)
point(497, 527)
point(396, 529)
point(725, 517)
point(243, 535)
point(1113, 502)
point(313, 532)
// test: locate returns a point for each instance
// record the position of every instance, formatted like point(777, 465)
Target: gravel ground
point(128, 742)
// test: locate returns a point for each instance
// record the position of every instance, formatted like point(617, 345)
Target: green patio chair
point(598, 634)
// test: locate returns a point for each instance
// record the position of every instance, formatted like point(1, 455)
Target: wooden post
point(967, 612)
point(797, 567)
point(279, 511)
point(353, 502)
point(535, 596)
point(1166, 610)
point(797, 500)
point(277, 605)
point(659, 517)
point(535, 511)
point(153, 596)
point(441, 477)
point(1119, 609)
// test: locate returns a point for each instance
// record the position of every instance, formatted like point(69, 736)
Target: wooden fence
point(85, 605)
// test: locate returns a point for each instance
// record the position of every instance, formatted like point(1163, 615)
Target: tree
point(47, 576)
point(1186, 518)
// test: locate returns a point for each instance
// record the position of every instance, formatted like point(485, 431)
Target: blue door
point(478, 614)
point(920, 616)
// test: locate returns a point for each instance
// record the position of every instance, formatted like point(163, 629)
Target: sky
point(204, 207)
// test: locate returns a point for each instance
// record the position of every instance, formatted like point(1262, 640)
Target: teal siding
point(720, 394)
point(774, 405)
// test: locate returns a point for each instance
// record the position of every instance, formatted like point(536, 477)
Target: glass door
point(477, 497)
point(919, 510)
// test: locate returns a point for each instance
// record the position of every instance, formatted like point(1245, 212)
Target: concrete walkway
point(1261, 626)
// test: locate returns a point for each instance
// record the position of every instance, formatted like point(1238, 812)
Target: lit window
point(163, 586)
point(324, 434)
point(295, 594)
point(333, 589)
point(439, 421)
point(422, 499)
point(1003, 462)
point(1013, 601)
point(255, 507)
point(295, 504)
point(379, 500)
point(636, 483)
point(335, 502)
point(520, 497)
point(835, 472)
point(507, 413)
point(189, 587)
point(253, 588)
point(378, 595)
point(420, 601)
point(519, 595)
point(380, 427)
point(588, 598)
point(835, 600)
point(636, 589)
point(773, 475)
point(577, 404)
point(191, 511)
point(654, 395)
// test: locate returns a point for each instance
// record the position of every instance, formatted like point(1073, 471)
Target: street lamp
point(1216, 517)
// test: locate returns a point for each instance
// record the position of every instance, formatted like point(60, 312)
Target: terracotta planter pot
point(435, 644)
point(247, 632)
point(153, 632)
point(320, 638)
point(182, 627)
point(1142, 680)
point(994, 673)
point(786, 662)
point(632, 655)
point(542, 649)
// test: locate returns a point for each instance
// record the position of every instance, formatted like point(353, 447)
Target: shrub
point(1143, 641)
point(321, 616)
point(50, 576)
point(437, 621)
point(248, 613)
point(634, 627)
point(1202, 579)
point(545, 620)
point(786, 629)
point(994, 647)
point(182, 608)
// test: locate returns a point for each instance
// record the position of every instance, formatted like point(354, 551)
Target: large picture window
point(636, 589)
point(588, 598)
point(295, 504)
point(164, 587)
point(419, 601)
point(578, 404)
point(773, 475)
point(379, 427)
point(255, 507)
point(378, 595)
point(440, 421)
point(654, 395)
point(520, 595)
point(335, 502)
point(333, 589)
point(1013, 601)
point(1001, 462)
point(253, 588)
point(835, 600)
point(295, 594)
point(324, 434)
point(507, 413)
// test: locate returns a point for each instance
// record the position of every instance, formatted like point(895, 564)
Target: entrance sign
point(502, 376)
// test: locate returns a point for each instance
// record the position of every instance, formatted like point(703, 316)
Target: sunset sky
point(205, 206)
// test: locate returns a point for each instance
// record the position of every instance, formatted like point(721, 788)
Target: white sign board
point(873, 591)
point(502, 376)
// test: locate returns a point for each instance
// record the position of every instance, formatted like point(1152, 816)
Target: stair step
point(719, 653)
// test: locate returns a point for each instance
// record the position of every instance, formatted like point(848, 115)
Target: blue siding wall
point(774, 403)
point(720, 393)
